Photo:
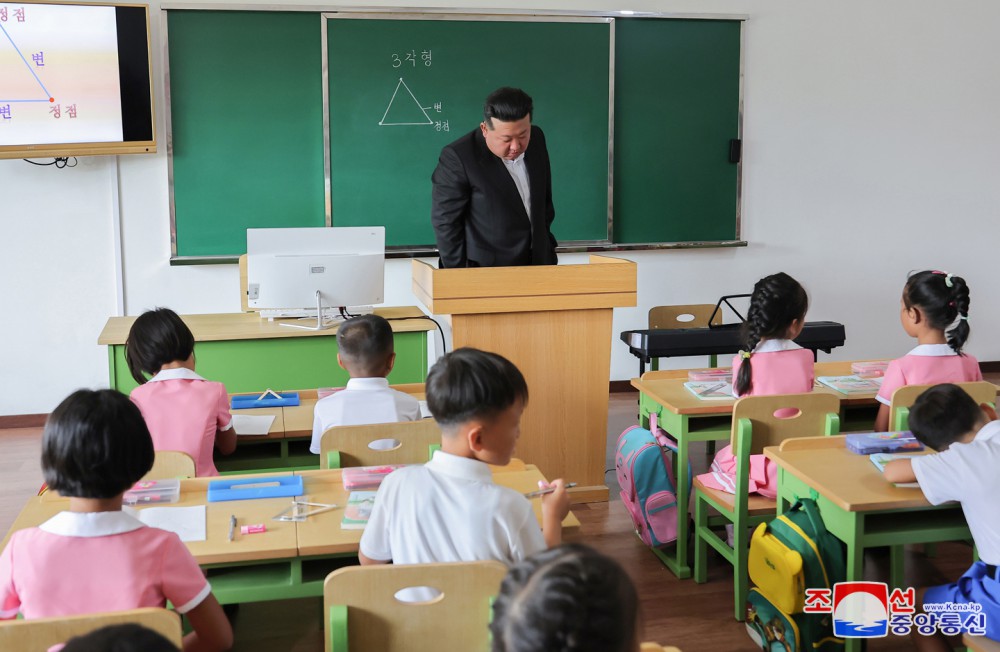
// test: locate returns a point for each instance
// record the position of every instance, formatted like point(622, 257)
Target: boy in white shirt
point(365, 350)
point(967, 438)
point(449, 509)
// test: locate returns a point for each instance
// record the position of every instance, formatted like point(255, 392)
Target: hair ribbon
point(947, 277)
point(965, 317)
point(744, 354)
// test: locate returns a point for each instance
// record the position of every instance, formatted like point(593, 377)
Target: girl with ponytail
point(935, 310)
point(770, 364)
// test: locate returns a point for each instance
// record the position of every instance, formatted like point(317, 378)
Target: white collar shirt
point(932, 350)
point(519, 173)
point(775, 345)
point(362, 402)
point(449, 510)
point(967, 473)
point(178, 373)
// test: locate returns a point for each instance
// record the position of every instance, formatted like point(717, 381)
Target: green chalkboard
point(677, 92)
point(400, 90)
point(247, 112)
point(246, 126)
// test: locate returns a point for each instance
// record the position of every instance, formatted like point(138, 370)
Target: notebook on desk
point(881, 459)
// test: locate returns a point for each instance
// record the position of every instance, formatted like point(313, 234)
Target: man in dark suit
point(492, 194)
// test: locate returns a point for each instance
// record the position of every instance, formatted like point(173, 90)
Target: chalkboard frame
point(324, 13)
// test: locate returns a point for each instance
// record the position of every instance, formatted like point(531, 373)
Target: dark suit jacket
point(478, 216)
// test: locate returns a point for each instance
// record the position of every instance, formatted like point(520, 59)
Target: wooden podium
point(554, 323)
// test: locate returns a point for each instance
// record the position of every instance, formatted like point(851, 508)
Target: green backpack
point(792, 553)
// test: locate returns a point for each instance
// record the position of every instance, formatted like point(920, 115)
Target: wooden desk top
point(847, 479)
point(249, 326)
point(322, 534)
point(667, 389)
point(319, 535)
point(278, 542)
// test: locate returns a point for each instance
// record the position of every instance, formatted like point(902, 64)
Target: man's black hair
point(507, 105)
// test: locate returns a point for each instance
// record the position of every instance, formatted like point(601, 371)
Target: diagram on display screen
point(36, 92)
point(59, 75)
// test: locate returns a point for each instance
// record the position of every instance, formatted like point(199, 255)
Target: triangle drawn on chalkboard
point(24, 89)
point(404, 109)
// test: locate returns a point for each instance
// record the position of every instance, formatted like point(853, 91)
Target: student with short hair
point(966, 437)
point(95, 557)
point(449, 509)
point(365, 350)
point(184, 412)
point(126, 637)
point(569, 598)
point(934, 309)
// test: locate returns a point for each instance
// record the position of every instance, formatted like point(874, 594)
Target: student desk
point(858, 505)
point(688, 419)
point(250, 354)
point(286, 446)
point(290, 560)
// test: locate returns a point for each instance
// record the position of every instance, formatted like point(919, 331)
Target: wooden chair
point(364, 615)
point(903, 398)
point(754, 427)
point(171, 464)
point(42, 633)
point(692, 316)
point(980, 644)
point(343, 446)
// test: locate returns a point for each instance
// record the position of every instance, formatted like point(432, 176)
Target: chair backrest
point(361, 600)
point(692, 316)
point(413, 441)
point(776, 418)
point(903, 398)
point(42, 633)
point(171, 464)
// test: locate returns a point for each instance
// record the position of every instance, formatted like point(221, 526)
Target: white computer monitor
point(315, 268)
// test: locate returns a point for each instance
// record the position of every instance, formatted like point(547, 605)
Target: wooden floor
point(691, 616)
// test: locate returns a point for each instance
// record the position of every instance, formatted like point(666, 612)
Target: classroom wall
point(869, 151)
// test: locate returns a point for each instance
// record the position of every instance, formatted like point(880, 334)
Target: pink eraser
point(253, 529)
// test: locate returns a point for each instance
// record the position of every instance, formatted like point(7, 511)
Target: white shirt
point(967, 473)
point(519, 173)
point(449, 510)
point(362, 402)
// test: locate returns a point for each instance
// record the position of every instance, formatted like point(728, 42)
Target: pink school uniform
point(183, 412)
point(78, 563)
point(779, 367)
point(928, 364)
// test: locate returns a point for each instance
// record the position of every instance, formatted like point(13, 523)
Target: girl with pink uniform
point(184, 411)
point(95, 557)
point(771, 364)
point(934, 309)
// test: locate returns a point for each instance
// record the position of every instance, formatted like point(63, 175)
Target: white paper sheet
point(187, 522)
point(254, 425)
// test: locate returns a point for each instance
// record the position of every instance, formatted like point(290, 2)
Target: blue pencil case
point(250, 488)
point(266, 400)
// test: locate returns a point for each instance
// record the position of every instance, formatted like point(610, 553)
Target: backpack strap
point(661, 436)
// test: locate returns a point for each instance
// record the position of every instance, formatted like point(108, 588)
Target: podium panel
point(554, 323)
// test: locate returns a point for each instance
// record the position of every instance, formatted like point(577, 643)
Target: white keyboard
point(310, 313)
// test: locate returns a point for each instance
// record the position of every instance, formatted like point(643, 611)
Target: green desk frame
point(274, 579)
point(871, 529)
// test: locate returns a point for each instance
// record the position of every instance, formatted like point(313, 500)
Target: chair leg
point(741, 572)
point(700, 544)
point(654, 364)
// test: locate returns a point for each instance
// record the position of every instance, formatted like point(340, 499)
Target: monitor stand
point(320, 324)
